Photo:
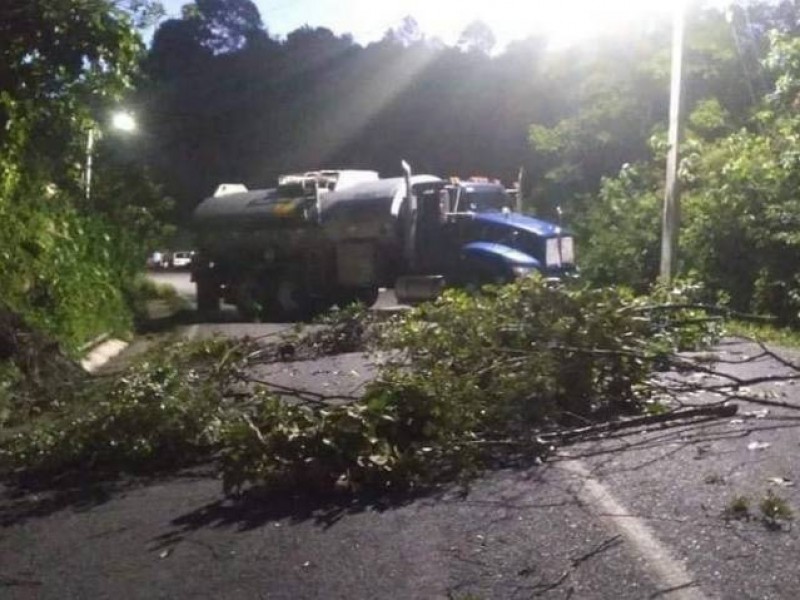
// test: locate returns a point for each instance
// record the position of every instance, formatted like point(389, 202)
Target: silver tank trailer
point(331, 236)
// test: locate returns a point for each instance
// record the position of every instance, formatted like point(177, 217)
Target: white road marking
point(669, 572)
point(102, 353)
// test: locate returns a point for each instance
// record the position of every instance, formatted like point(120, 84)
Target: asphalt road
point(639, 515)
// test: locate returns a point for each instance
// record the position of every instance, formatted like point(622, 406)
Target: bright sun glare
point(563, 21)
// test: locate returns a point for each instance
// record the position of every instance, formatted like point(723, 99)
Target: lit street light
point(124, 122)
point(121, 121)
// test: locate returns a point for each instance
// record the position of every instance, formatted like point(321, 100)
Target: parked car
point(157, 260)
point(182, 259)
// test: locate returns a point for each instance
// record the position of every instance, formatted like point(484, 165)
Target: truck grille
point(560, 252)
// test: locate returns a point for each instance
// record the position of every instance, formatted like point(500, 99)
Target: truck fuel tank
point(412, 289)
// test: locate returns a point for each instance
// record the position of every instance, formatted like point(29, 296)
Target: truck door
point(433, 244)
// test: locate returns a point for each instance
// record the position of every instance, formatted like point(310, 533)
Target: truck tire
point(208, 300)
point(290, 301)
point(250, 299)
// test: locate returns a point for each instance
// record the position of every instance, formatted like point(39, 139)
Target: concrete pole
point(672, 210)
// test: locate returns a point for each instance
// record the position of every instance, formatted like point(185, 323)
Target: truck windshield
point(484, 200)
point(292, 190)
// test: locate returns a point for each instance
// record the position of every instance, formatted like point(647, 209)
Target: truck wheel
point(208, 300)
point(250, 299)
point(290, 301)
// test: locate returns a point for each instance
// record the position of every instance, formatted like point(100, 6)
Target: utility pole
point(672, 201)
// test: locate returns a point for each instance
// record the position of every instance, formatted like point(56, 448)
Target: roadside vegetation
point(68, 257)
point(787, 337)
point(739, 223)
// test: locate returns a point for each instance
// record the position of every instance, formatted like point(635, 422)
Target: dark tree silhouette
point(227, 25)
point(477, 37)
point(247, 107)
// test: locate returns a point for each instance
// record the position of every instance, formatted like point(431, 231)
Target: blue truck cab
point(468, 231)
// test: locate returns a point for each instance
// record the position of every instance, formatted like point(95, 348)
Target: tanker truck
point(327, 238)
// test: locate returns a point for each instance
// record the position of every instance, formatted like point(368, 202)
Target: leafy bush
point(739, 230)
point(65, 257)
point(165, 409)
point(472, 379)
point(141, 291)
point(621, 230)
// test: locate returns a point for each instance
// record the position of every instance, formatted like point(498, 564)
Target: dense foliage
point(740, 204)
point(65, 258)
point(162, 411)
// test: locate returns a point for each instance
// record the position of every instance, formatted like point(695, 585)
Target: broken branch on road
point(473, 380)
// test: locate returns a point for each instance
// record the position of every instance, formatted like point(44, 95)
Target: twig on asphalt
point(611, 542)
point(716, 411)
point(300, 394)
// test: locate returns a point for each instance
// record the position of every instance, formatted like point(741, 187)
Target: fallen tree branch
point(675, 389)
point(720, 411)
point(303, 395)
point(711, 308)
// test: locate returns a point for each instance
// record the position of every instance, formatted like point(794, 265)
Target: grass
point(153, 300)
point(738, 508)
point(780, 336)
point(774, 508)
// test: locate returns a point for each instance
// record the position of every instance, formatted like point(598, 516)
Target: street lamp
point(121, 121)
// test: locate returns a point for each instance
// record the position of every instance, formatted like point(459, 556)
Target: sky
point(564, 21)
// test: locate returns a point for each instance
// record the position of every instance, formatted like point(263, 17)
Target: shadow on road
point(23, 505)
point(33, 497)
point(256, 508)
